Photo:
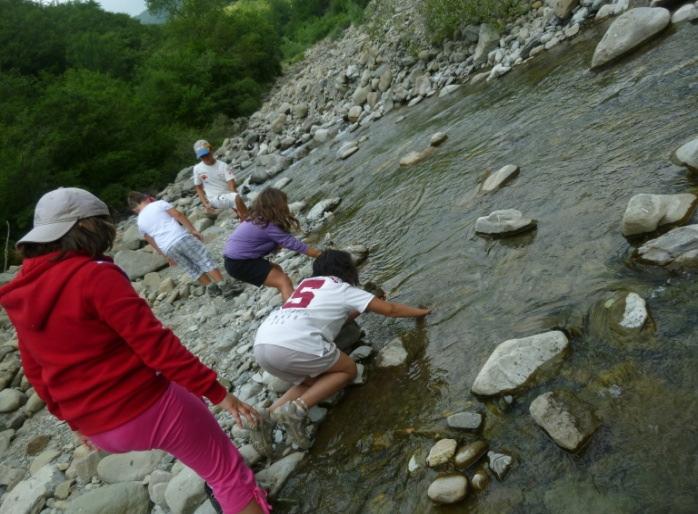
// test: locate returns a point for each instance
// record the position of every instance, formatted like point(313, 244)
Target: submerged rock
point(498, 178)
point(688, 154)
point(646, 212)
point(448, 489)
point(566, 419)
point(480, 480)
point(504, 222)
point(441, 452)
point(628, 31)
point(676, 248)
point(516, 361)
point(635, 314)
point(465, 420)
point(415, 157)
point(393, 354)
point(471, 453)
point(499, 463)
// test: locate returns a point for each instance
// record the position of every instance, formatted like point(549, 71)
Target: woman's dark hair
point(271, 206)
point(135, 198)
point(335, 263)
point(91, 236)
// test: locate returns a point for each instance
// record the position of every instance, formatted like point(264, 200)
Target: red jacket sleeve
point(120, 307)
point(32, 370)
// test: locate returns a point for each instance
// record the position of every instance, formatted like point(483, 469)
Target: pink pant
point(181, 424)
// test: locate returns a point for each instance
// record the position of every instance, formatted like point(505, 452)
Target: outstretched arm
point(396, 310)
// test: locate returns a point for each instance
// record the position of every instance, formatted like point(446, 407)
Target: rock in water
point(29, 496)
point(676, 248)
point(500, 463)
point(185, 492)
point(441, 452)
point(497, 179)
point(136, 264)
point(635, 314)
point(123, 498)
point(645, 212)
point(685, 13)
point(465, 420)
point(415, 157)
point(393, 354)
point(516, 361)
point(567, 420)
point(480, 480)
point(128, 467)
point(438, 138)
point(273, 477)
point(320, 208)
point(688, 154)
point(448, 489)
point(470, 454)
point(562, 8)
point(504, 222)
point(347, 150)
point(629, 30)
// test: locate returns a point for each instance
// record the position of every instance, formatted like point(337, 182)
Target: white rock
point(393, 354)
point(447, 90)
point(185, 492)
point(567, 420)
point(688, 154)
point(438, 138)
point(11, 400)
point(498, 178)
point(128, 467)
point(686, 12)
point(635, 314)
point(504, 222)
point(646, 212)
point(562, 8)
point(273, 477)
point(448, 489)
point(516, 361)
point(320, 208)
point(123, 498)
point(29, 496)
point(497, 71)
point(628, 31)
point(347, 150)
point(678, 247)
point(500, 463)
point(441, 452)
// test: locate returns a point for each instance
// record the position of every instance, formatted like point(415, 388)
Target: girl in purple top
point(265, 231)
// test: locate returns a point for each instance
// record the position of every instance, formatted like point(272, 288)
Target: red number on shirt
point(303, 295)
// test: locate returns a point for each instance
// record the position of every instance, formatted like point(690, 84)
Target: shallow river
point(586, 142)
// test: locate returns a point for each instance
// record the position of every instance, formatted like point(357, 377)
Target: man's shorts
point(291, 365)
point(192, 256)
point(224, 201)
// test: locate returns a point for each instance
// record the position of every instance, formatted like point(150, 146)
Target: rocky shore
point(340, 86)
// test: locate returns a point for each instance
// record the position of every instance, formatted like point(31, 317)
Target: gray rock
point(10, 477)
point(321, 135)
point(498, 178)
point(566, 419)
point(500, 463)
point(392, 354)
point(11, 400)
point(300, 111)
point(282, 183)
point(360, 353)
point(504, 222)
point(123, 498)
point(438, 138)
point(317, 414)
point(688, 154)
point(347, 150)
point(348, 336)
point(274, 383)
point(635, 314)
point(34, 404)
point(42, 459)
point(29, 496)
point(250, 454)
point(677, 248)
point(157, 486)
point(687, 12)
point(487, 41)
point(562, 8)
point(354, 113)
point(360, 95)
point(358, 253)
point(448, 489)
point(278, 124)
point(84, 465)
point(415, 157)
point(128, 467)
point(646, 212)
point(206, 508)
point(628, 31)
point(131, 239)
point(441, 452)
point(273, 477)
point(259, 176)
point(386, 79)
point(517, 361)
point(447, 90)
point(6, 437)
point(137, 264)
point(185, 492)
point(465, 420)
point(320, 208)
point(471, 453)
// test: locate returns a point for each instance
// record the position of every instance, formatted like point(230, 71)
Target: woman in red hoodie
point(100, 360)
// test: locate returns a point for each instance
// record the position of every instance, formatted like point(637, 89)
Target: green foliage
point(445, 17)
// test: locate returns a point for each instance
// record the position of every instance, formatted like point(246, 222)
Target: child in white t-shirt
point(295, 342)
point(174, 237)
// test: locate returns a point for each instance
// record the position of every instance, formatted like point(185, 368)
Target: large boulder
point(562, 8)
point(688, 154)
point(646, 212)
point(131, 239)
point(488, 41)
point(128, 467)
point(566, 419)
point(677, 248)
point(29, 496)
point(517, 361)
point(503, 223)
point(136, 264)
point(628, 31)
point(123, 498)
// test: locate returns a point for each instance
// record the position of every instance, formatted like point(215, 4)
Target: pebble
point(448, 489)
point(465, 420)
point(438, 138)
point(441, 452)
point(499, 463)
point(471, 453)
point(500, 177)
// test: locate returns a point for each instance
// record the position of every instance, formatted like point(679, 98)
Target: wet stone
point(11, 400)
point(471, 453)
point(393, 354)
point(646, 212)
point(500, 177)
point(635, 314)
point(677, 248)
point(566, 419)
point(441, 452)
point(465, 420)
point(480, 480)
point(448, 489)
point(688, 154)
point(499, 463)
point(503, 223)
point(438, 138)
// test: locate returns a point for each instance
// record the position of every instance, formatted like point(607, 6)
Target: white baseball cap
point(202, 147)
point(59, 210)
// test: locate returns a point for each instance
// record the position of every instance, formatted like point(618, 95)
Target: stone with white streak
point(517, 361)
point(504, 222)
point(677, 248)
point(647, 212)
point(635, 314)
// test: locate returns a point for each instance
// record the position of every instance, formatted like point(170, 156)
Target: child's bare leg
point(278, 279)
point(295, 392)
point(334, 379)
point(204, 280)
point(215, 275)
point(240, 208)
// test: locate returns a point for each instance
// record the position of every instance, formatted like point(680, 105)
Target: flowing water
point(586, 142)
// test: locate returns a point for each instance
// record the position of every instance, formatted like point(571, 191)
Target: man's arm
point(152, 243)
point(202, 197)
point(184, 221)
point(232, 186)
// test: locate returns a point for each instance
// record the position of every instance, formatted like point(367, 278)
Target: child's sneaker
point(213, 290)
point(261, 435)
point(292, 416)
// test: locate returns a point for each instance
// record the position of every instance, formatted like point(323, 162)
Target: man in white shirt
point(214, 182)
point(173, 236)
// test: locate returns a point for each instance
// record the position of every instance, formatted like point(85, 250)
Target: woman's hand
point(239, 409)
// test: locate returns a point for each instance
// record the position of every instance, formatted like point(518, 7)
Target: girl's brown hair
point(271, 206)
point(91, 236)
